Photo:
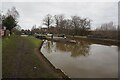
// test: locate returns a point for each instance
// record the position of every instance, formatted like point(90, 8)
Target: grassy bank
point(20, 61)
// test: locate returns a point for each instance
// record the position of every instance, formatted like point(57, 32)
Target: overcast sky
point(32, 13)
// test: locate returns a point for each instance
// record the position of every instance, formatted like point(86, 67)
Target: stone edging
point(51, 65)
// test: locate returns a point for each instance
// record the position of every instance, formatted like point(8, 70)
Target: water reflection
point(80, 49)
point(101, 60)
point(48, 46)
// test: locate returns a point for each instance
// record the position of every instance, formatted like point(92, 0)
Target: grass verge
point(19, 59)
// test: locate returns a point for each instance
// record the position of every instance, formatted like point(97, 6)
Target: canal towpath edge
point(48, 64)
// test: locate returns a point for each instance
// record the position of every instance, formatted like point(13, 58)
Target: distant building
point(44, 30)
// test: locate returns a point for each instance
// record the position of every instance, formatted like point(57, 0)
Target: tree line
point(107, 30)
point(73, 26)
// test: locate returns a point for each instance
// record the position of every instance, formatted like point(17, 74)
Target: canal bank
point(63, 40)
point(95, 40)
point(49, 65)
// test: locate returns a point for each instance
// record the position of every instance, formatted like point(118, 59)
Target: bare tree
point(85, 25)
point(48, 21)
point(81, 26)
point(68, 26)
point(59, 20)
point(76, 24)
point(108, 30)
point(13, 12)
point(56, 20)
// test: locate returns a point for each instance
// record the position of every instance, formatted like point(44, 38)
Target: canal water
point(84, 59)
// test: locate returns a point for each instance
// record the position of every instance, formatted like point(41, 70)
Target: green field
point(19, 59)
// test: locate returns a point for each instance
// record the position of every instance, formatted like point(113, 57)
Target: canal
point(84, 59)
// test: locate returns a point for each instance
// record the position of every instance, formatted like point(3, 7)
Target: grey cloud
point(33, 12)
